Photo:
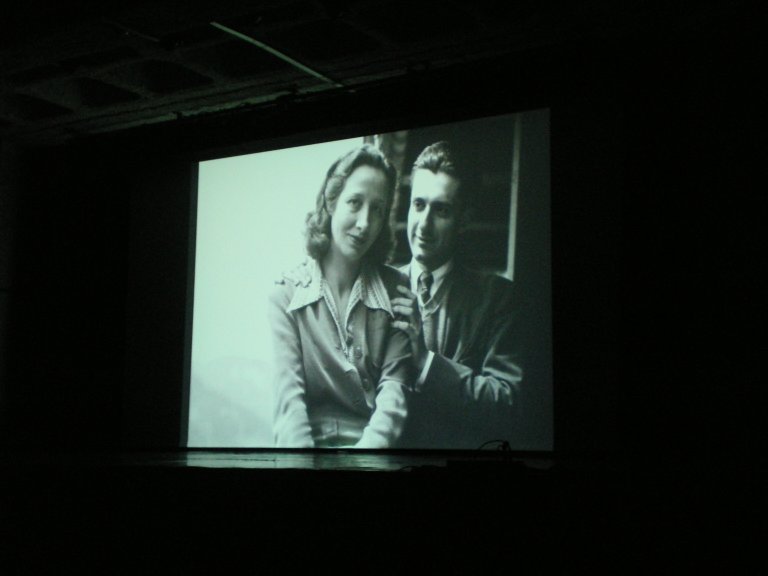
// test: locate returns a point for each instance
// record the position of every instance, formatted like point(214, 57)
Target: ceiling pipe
point(278, 54)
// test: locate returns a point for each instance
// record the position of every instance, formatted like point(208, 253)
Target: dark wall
point(158, 287)
point(690, 198)
point(98, 301)
point(67, 303)
point(9, 184)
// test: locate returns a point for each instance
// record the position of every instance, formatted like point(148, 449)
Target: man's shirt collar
point(438, 275)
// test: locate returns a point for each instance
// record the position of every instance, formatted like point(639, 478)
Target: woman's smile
point(358, 240)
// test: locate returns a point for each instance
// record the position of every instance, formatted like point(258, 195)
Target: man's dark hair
point(440, 157)
point(318, 223)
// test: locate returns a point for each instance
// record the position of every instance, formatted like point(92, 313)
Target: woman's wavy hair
point(318, 222)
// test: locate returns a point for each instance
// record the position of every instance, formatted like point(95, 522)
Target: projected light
point(251, 211)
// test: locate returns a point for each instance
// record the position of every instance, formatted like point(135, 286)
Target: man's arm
point(489, 373)
point(491, 381)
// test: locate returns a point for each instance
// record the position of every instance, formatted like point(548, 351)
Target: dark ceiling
point(81, 68)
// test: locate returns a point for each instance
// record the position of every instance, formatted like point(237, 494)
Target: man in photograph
point(462, 323)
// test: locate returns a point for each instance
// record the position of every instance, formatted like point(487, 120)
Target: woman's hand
point(408, 319)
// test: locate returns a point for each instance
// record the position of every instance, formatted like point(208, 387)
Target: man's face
point(433, 217)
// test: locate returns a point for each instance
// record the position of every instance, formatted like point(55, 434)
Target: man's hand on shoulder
point(408, 319)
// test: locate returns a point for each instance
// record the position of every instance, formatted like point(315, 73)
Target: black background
point(656, 252)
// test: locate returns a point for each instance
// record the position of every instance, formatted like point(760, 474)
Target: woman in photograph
point(341, 368)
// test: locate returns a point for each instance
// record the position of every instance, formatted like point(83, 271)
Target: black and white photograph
point(384, 291)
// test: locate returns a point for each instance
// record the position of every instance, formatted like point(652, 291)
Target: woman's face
point(359, 213)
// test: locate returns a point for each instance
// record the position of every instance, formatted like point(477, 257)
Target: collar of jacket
point(373, 293)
